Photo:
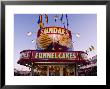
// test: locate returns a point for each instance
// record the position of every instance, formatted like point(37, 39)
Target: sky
point(84, 24)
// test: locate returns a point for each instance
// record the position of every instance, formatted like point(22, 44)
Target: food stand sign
point(72, 55)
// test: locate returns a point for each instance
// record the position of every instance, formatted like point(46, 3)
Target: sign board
point(54, 36)
point(72, 55)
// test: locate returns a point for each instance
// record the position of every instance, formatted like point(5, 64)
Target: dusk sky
point(84, 24)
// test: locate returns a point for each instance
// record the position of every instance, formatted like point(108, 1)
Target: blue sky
point(85, 24)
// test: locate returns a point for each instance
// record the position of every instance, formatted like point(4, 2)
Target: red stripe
point(40, 18)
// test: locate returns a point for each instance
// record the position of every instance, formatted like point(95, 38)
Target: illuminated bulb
point(29, 33)
point(33, 41)
point(78, 35)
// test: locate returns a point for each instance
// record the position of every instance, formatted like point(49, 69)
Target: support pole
point(61, 70)
point(76, 72)
point(32, 70)
point(47, 70)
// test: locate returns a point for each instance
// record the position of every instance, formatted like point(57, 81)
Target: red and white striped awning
point(88, 66)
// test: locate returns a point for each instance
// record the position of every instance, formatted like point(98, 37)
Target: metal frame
point(4, 3)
